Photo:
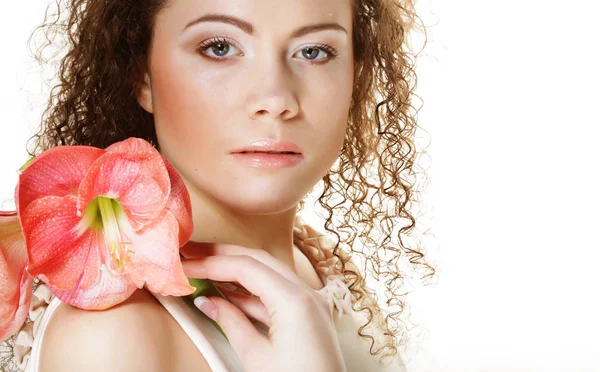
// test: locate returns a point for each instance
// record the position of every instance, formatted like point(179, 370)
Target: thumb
point(241, 333)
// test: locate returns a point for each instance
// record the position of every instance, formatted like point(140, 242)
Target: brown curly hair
point(372, 186)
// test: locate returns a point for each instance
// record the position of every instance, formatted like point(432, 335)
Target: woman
point(253, 102)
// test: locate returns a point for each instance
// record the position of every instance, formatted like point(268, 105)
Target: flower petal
point(156, 260)
point(17, 317)
point(57, 171)
point(109, 291)
point(132, 172)
point(58, 248)
point(15, 281)
point(179, 204)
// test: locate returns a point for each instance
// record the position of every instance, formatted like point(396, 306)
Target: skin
point(263, 87)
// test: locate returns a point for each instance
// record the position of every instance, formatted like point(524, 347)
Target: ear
point(144, 94)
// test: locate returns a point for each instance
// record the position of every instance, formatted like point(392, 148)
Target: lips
point(270, 146)
point(257, 159)
point(266, 152)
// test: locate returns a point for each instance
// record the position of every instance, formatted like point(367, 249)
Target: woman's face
point(251, 70)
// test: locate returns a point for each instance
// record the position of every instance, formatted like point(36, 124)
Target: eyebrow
point(249, 28)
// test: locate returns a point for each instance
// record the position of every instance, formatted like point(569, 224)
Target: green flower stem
point(205, 288)
point(26, 164)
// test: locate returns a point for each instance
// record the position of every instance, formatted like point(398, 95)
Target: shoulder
point(138, 334)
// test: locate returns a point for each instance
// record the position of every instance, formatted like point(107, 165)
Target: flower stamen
point(111, 213)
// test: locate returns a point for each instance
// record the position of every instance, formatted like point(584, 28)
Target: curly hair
point(367, 194)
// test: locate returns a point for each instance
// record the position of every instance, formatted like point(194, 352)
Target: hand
point(302, 335)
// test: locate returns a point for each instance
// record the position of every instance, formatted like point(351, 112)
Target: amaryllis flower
point(98, 224)
point(15, 282)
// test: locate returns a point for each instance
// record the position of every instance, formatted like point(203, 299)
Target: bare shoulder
point(137, 335)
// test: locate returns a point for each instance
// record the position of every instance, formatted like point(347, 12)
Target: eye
point(219, 47)
point(312, 52)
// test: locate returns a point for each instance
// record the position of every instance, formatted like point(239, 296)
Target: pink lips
point(267, 153)
point(269, 145)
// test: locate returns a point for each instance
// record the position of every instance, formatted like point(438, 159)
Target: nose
point(273, 97)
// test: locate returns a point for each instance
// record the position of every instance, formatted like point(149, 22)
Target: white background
point(511, 95)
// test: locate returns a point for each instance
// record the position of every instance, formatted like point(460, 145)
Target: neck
point(216, 223)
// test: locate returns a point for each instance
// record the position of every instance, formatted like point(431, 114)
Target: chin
point(252, 195)
point(265, 202)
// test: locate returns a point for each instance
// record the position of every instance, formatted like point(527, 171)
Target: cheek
point(189, 108)
point(326, 107)
point(187, 119)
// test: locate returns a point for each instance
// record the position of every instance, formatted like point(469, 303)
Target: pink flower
point(98, 224)
point(15, 282)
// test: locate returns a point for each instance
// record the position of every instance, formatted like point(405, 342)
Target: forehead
point(264, 15)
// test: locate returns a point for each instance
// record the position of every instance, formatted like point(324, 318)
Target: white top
point(210, 342)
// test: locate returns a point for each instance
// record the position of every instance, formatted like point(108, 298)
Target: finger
point(241, 333)
point(251, 306)
point(201, 250)
point(259, 279)
point(234, 286)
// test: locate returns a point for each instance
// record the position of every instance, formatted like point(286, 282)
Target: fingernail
point(206, 306)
